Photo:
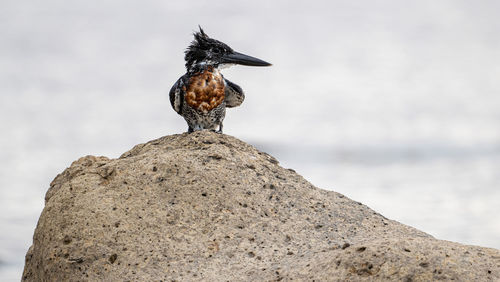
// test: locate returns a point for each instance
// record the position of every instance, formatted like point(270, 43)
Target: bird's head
point(205, 51)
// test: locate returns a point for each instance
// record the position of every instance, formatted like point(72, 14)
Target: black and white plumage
point(202, 95)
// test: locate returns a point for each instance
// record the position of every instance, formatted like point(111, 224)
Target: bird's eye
point(216, 51)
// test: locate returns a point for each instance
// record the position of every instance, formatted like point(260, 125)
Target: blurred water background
point(395, 104)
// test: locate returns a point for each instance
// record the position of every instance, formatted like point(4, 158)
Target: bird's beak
point(242, 59)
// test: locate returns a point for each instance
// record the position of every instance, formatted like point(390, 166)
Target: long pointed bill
point(242, 59)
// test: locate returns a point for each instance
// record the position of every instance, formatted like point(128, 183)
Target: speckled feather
point(198, 119)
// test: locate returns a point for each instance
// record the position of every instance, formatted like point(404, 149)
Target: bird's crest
point(201, 47)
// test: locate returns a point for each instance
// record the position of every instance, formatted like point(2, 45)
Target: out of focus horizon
point(393, 104)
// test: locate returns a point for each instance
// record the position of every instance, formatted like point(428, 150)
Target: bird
point(202, 95)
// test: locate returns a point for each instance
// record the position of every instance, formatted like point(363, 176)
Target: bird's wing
point(234, 95)
point(177, 95)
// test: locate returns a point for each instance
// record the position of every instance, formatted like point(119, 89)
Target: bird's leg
point(190, 130)
point(220, 128)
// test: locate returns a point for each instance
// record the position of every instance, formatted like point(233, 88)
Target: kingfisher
point(202, 95)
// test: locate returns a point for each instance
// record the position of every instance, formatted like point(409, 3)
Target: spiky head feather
point(204, 49)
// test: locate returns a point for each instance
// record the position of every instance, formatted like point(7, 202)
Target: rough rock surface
point(205, 206)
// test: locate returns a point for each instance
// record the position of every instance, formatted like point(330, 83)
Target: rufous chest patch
point(205, 90)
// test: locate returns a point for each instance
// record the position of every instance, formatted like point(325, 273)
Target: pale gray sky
point(393, 103)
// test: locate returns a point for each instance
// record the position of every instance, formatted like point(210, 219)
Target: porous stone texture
point(206, 206)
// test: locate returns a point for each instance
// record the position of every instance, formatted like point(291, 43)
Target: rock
point(205, 206)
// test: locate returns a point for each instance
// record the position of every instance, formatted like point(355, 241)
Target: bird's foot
point(216, 131)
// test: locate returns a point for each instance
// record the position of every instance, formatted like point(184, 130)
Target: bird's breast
point(205, 90)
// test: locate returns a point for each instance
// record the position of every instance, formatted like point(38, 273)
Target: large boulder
point(206, 206)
